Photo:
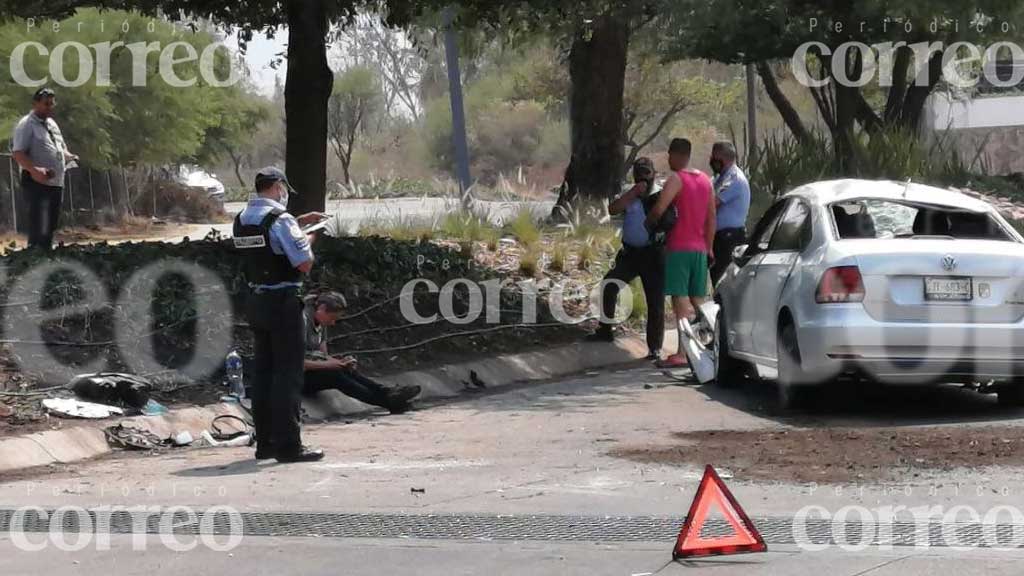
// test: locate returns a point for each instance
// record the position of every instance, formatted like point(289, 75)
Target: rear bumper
point(844, 338)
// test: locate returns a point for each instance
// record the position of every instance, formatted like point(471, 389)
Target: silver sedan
point(886, 281)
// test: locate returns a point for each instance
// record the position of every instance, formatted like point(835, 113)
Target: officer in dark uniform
point(276, 255)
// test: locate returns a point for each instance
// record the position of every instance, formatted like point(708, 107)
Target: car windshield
point(868, 218)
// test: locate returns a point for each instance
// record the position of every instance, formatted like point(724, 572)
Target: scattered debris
point(112, 388)
point(154, 408)
point(236, 442)
point(5, 410)
point(183, 438)
point(71, 408)
point(132, 438)
point(418, 490)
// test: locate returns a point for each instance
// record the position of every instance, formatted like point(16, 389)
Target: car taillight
point(841, 284)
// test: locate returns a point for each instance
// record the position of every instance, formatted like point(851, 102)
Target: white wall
point(944, 113)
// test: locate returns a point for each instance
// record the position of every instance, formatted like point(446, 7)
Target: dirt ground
point(839, 455)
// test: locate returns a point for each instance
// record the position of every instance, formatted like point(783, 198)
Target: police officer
point(276, 255)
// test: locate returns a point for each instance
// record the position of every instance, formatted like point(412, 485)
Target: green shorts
point(686, 274)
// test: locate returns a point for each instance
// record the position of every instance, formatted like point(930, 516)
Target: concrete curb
point(447, 381)
point(88, 441)
point(81, 442)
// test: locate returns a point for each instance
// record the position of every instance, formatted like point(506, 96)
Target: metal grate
point(506, 527)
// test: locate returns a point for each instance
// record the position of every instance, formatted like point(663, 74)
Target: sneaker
point(304, 454)
point(399, 398)
point(265, 453)
point(601, 335)
point(653, 356)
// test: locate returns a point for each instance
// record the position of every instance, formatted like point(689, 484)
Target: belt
point(731, 231)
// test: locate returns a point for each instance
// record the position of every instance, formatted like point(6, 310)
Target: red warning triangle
point(712, 491)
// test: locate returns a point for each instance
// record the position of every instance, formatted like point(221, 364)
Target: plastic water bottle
point(233, 367)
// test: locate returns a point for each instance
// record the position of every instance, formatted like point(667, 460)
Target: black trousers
point(349, 383)
point(276, 320)
point(649, 264)
point(726, 240)
point(43, 210)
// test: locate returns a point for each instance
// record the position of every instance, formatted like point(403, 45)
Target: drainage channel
point(502, 527)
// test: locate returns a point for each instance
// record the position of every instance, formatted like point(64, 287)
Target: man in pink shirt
point(688, 246)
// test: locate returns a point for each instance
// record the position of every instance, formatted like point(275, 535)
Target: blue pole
point(451, 50)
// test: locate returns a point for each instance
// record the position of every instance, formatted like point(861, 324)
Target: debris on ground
point(183, 438)
point(154, 408)
point(5, 410)
point(132, 438)
point(71, 408)
point(113, 389)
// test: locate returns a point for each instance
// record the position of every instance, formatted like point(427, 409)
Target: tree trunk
point(307, 90)
point(597, 73)
point(789, 114)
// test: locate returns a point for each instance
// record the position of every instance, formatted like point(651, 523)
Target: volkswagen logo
point(949, 263)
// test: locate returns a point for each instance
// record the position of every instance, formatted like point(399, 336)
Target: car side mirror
point(739, 252)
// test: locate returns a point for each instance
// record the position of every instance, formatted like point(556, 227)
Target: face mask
point(717, 166)
point(284, 197)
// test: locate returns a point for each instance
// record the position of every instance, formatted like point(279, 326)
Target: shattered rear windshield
point(882, 219)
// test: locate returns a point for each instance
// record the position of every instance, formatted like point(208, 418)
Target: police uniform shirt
point(286, 236)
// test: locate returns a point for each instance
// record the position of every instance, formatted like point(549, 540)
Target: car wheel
point(793, 386)
point(729, 372)
point(1011, 395)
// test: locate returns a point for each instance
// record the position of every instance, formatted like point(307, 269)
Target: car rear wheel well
point(785, 319)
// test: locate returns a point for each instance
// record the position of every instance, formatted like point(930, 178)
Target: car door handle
point(752, 273)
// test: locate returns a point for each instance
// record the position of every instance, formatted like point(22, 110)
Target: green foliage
point(524, 227)
point(559, 256)
point(354, 103)
point(121, 123)
point(531, 261)
point(467, 226)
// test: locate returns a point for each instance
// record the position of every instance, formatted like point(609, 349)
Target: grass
point(524, 228)
point(639, 310)
point(465, 226)
point(589, 253)
point(559, 257)
point(531, 261)
point(400, 228)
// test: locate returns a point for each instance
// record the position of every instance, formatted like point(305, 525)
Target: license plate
point(948, 289)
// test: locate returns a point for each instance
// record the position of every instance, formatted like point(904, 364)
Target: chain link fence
point(90, 197)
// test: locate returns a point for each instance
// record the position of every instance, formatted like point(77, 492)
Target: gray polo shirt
point(44, 144)
point(313, 332)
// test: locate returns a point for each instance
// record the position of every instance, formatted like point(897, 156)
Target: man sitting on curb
point(324, 372)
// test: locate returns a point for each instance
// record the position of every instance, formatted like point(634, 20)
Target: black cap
point(272, 174)
point(42, 93)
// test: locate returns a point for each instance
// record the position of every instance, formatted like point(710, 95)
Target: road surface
point(521, 481)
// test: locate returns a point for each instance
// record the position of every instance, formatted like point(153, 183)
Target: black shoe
point(265, 453)
point(653, 356)
point(399, 398)
point(304, 454)
point(601, 335)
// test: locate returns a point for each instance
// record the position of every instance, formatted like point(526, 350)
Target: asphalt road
point(516, 482)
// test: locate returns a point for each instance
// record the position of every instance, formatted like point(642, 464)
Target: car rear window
point(881, 219)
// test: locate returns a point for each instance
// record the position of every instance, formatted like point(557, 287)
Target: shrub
point(524, 228)
point(531, 261)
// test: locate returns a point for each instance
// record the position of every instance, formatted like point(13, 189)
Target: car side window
point(791, 233)
point(761, 238)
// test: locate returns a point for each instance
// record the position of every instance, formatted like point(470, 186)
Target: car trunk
point(941, 280)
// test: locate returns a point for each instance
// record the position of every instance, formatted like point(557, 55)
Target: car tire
point(793, 387)
point(1011, 395)
point(729, 372)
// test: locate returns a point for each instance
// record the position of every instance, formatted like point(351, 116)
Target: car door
point(789, 239)
point(743, 302)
